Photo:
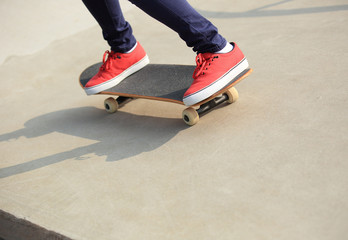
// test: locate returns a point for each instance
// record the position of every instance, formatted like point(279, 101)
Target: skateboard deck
point(163, 82)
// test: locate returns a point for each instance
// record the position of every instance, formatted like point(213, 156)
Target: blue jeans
point(193, 28)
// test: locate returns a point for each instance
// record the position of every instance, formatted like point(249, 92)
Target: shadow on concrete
point(263, 12)
point(121, 135)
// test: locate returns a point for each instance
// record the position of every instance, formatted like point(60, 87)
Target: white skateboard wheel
point(111, 105)
point(232, 94)
point(190, 116)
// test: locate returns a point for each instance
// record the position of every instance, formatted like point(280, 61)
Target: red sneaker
point(115, 68)
point(213, 72)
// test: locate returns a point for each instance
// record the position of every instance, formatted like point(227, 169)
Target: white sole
point(217, 85)
point(116, 80)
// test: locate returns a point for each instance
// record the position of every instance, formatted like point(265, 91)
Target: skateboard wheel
point(232, 94)
point(190, 116)
point(111, 105)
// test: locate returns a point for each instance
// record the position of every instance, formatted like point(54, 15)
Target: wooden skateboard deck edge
point(140, 96)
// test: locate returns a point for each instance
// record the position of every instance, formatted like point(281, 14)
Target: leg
point(126, 55)
point(116, 31)
point(192, 27)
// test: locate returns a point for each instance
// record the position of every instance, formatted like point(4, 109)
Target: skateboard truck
point(191, 115)
point(112, 104)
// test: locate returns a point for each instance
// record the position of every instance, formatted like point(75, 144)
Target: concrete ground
point(271, 166)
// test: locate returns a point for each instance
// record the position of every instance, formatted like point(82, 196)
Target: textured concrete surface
point(271, 166)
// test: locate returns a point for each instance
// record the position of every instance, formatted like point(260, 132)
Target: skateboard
point(163, 82)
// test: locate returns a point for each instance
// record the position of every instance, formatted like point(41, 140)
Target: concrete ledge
point(12, 228)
